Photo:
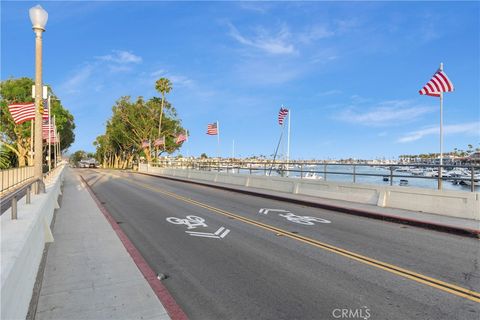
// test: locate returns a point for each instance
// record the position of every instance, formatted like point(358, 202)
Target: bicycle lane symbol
point(305, 220)
point(193, 222)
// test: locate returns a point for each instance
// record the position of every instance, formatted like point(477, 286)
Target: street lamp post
point(39, 18)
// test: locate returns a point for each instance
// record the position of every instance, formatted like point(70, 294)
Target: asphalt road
point(242, 262)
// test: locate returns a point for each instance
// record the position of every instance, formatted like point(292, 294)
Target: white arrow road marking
point(219, 234)
point(267, 210)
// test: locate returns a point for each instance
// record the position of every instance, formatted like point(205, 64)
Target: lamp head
point(39, 17)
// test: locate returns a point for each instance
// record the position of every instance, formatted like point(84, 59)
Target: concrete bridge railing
point(448, 203)
point(22, 244)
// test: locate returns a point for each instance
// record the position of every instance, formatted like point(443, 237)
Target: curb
point(358, 212)
point(173, 309)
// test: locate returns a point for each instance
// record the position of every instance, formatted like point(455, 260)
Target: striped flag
point(281, 115)
point(145, 144)
point(212, 129)
point(46, 129)
point(180, 138)
point(438, 84)
point(159, 142)
point(22, 112)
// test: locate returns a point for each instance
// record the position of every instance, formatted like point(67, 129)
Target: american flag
point(145, 144)
point(281, 115)
point(159, 142)
point(181, 137)
point(438, 84)
point(212, 129)
point(22, 112)
point(46, 129)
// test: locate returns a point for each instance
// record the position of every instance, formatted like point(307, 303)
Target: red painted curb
point(173, 309)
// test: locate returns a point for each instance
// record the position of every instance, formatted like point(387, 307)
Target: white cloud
point(121, 57)
point(278, 43)
point(384, 114)
point(177, 80)
point(465, 128)
point(76, 82)
point(329, 93)
point(93, 72)
point(259, 7)
point(315, 33)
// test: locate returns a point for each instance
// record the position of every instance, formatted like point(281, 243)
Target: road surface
point(228, 255)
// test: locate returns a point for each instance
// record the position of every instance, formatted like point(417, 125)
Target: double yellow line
point(432, 282)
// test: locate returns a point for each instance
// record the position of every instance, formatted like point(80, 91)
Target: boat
point(467, 180)
point(457, 172)
point(416, 171)
point(429, 172)
point(312, 175)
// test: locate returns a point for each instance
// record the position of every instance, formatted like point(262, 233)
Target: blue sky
point(349, 71)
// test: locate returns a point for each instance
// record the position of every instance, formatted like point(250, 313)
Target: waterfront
point(419, 176)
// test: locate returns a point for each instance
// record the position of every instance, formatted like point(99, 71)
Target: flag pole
point(32, 124)
point(441, 137)
point(288, 140)
point(218, 140)
point(59, 152)
point(49, 136)
point(186, 142)
point(233, 149)
point(55, 138)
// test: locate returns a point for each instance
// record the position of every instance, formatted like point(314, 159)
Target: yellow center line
point(432, 282)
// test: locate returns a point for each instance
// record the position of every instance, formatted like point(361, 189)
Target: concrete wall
point(449, 203)
point(22, 243)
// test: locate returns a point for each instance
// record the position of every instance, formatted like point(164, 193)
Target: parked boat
point(429, 172)
point(312, 175)
point(467, 180)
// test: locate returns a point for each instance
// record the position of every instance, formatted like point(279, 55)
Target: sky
point(349, 72)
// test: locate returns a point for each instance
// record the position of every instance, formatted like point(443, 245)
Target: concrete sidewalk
point(89, 274)
point(416, 218)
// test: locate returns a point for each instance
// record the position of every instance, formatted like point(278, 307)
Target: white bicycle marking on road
point(305, 220)
point(193, 222)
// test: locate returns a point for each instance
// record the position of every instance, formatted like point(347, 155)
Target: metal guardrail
point(11, 178)
point(22, 182)
point(13, 196)
point(304, 168)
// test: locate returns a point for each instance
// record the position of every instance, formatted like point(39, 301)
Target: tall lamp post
point(39, 18)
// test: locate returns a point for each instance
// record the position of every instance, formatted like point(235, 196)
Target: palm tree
point(164, 86)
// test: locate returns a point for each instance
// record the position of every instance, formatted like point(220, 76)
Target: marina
point(454, 177)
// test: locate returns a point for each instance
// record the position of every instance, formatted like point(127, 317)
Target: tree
point(203, 156)
point(133, 122)
point(164, 86)
point(17, 137)
point(78, 156)
point(470, 148)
